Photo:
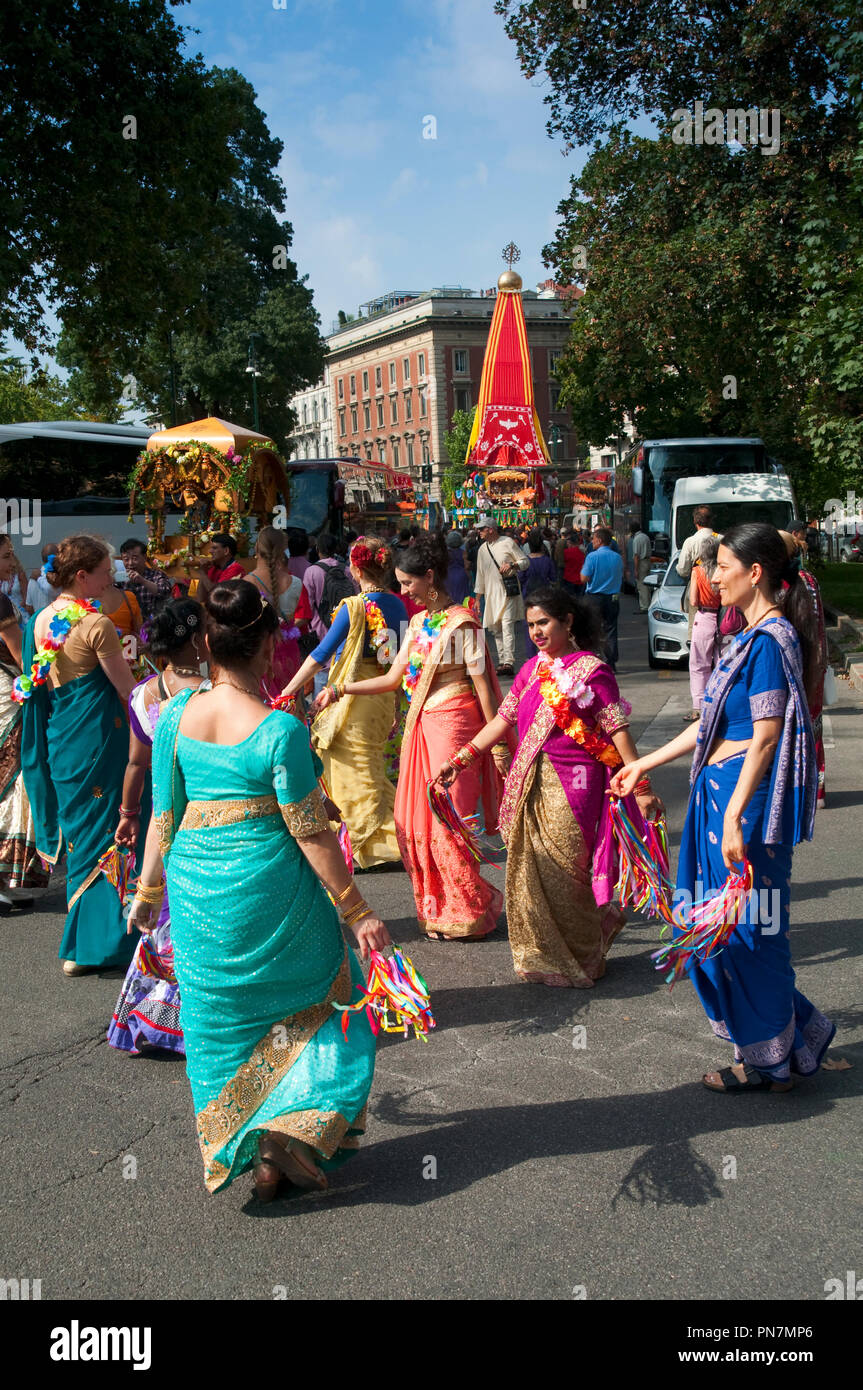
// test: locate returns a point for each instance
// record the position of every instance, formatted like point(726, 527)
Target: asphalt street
point(503, 1159)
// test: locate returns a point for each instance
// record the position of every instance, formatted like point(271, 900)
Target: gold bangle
point(351, 886)
point(152, 895)
point(355, 913)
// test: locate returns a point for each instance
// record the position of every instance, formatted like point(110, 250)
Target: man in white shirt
point(39, 592)
point(693, 547)
point(497, 557)
point(641, 553)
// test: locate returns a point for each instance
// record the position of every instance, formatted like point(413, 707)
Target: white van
point(732, 498)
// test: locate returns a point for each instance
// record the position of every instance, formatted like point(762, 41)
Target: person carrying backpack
point(326, 582)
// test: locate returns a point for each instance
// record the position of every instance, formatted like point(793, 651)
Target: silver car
point(667, 619)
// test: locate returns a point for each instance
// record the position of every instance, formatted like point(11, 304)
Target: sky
point(349, 87)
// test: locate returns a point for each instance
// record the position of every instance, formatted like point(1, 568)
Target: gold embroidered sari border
point(206, 815)
point(272, 1059)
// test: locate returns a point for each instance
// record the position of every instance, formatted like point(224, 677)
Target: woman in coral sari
point(561, 865)
point(453, 693)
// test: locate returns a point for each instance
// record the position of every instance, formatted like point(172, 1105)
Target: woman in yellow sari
point(350, 737)
point(453, 693)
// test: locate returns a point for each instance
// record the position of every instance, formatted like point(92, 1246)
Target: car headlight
point(663, 616)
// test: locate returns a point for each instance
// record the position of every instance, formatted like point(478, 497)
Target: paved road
point(606, 1168)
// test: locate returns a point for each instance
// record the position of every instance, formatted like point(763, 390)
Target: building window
point(341, 422)
point(380, 413)
point(369, 452)
point(305, 413)
point(325, 446)
point(462, 399)
point(423, 404)
point(353, 387)
point(421, 365)
point(609, 460)
point(459, 358)
point(365, 383)
point(426, 456)
point(341, 388)
point(394, 410)
point(378, 378)
point(353, 419)
point(392, 374)
point(326, 408)
point(554, 396)
point(409, 409)
point(395, 453)
point(382, 453)
point(315, 411)
point(367, 417)
point(554, 356)
point(406, 369)
point(409, 450)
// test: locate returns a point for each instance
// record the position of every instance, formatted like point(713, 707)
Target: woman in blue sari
point(241, 828)
point(754, 782)
point(73, 753)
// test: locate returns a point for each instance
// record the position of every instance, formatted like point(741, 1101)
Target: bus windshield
point(666, 463)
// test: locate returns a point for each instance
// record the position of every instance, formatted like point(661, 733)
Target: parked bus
point(348, 493)
point(647, 476)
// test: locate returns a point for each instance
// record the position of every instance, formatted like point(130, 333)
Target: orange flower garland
point(561, 706)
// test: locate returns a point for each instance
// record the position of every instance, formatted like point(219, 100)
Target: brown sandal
point(274, 1153)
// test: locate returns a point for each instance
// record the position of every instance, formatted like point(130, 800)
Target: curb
point(842, 627)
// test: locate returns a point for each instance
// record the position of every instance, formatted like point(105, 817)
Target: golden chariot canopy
point(221, 474)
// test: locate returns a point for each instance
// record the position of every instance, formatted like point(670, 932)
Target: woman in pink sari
point(561, 864)
point(453, 693)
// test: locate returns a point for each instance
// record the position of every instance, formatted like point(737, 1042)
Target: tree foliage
point(167, 244)
point(456, 442)
point(723, 284)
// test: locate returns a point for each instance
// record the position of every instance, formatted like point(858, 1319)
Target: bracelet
point(153, 894)
point(125, 812)
point(463, 757)
point(643, 786)
point(346, 894)
point(338, 689)
point(354, 914)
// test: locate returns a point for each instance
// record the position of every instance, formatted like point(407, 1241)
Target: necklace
point(749, 626)
point(183, 670)
point(253, 694)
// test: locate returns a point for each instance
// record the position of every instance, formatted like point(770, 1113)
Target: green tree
point(723, 286)
point(35, 395)
point(251, 287)
point(456, 441)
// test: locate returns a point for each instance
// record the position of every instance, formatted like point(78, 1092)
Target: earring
point(432, 594)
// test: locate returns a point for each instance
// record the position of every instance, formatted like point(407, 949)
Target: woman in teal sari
point(73, 750)
point(242, 830)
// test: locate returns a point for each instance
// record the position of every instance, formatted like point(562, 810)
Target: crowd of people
point(311, 701)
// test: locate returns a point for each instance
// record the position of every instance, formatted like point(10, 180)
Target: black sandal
point(755, 1080)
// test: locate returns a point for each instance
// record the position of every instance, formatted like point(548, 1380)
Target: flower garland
point(562, 691)
point(380, 633)
point(58, 630)
point(425, 640)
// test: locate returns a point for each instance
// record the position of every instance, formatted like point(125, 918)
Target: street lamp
point(252, 370)
point(555, 437)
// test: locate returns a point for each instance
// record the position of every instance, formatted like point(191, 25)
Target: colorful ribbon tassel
point(396, 997)
point(443, 809)
point(158, 964)
point(118, 866)
point(643, 880)
point(709, 925)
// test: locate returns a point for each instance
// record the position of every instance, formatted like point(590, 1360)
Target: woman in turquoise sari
point(241, 828)
point(73, 750)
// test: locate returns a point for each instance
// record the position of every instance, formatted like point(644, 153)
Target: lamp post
point(252, 370)
point(554, 436)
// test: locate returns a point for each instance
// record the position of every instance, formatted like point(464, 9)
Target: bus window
point(310, 501)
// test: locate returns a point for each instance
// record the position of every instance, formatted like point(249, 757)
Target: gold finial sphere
point(509, 280)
